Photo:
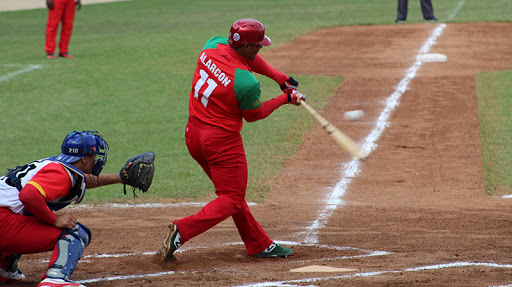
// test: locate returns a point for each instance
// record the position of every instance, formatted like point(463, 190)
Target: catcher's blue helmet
point(76, 145)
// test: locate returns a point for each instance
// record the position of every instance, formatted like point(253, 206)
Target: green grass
point(132, 76)
point(494, 91)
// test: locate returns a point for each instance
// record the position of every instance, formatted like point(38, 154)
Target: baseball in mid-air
point(353, 115)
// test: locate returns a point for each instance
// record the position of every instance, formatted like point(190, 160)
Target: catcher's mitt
point(140, 173)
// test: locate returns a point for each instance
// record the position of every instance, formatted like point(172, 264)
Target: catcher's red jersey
point(50, 178)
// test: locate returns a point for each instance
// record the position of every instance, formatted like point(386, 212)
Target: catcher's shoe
point(52, 282)
point(275, 250)
point(171, 243)
point(11, 276)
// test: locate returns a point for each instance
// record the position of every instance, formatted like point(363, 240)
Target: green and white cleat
point(171, 243)
point(275, 250)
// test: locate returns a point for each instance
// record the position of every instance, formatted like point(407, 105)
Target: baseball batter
point(224, 92)
point(29, 197)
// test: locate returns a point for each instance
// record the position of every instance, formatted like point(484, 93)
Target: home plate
point(317, 268)
point(432, 57)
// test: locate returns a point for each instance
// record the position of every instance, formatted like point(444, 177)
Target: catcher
point(30, 195)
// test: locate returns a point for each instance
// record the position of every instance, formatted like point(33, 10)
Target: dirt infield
point(415, 214)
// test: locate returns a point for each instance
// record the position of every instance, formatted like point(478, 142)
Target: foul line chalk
point(456, 10)
point(309, 280)
point(366, 253)
point(125, 277)
point(134, 276)
point(30, 68)
point(376, 273)
point(352, 169)
point(321, 269)
point(144, 205)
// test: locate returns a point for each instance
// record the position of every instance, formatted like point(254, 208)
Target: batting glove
point(290, 85)
point(295, 97)
point(50, 4)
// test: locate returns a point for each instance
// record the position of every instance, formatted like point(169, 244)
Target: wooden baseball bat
point(344, 141)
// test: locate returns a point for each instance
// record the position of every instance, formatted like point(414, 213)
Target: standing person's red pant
point(221, 154)
point(63, 11)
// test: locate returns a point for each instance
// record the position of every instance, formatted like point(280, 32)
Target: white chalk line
point(143, 205)
point(30, 68)
point(456, 10)
point(352, 169)
point(125, 277)
point(298, 281)
point(366, 253)
point(376, 273)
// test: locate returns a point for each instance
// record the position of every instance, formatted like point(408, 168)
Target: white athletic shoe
point(11, 276)
point(50, 282)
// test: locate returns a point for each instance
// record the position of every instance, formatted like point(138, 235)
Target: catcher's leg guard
point(70, 249)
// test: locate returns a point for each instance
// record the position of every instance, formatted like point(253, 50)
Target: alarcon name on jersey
point(223, 79)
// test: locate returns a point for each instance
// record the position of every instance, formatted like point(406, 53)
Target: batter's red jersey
point(222, 86)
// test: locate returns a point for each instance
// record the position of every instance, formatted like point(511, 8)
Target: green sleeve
point(213, 42)
point(247, 90)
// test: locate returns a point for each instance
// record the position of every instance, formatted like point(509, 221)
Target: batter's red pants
point(221, 154)
point(63, 11)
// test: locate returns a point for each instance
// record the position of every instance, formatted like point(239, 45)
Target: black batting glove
point(50, 4)
point(290, 85)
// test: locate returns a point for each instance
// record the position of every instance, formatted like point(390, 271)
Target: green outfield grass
point(132, 75)
point(494, 101)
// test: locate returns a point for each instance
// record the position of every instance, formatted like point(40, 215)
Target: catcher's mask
point(76, 145)
point(248, 31)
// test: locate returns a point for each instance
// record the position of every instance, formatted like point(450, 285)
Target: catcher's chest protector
point(9, 189)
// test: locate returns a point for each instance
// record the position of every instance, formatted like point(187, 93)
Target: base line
point(295, 283)
point(369, 144)
point(13, 74)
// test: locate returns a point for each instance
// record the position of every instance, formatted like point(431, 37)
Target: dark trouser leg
point(401, 13)
point(427, 9)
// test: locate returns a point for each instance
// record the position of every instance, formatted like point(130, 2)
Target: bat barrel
point(344, 141)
